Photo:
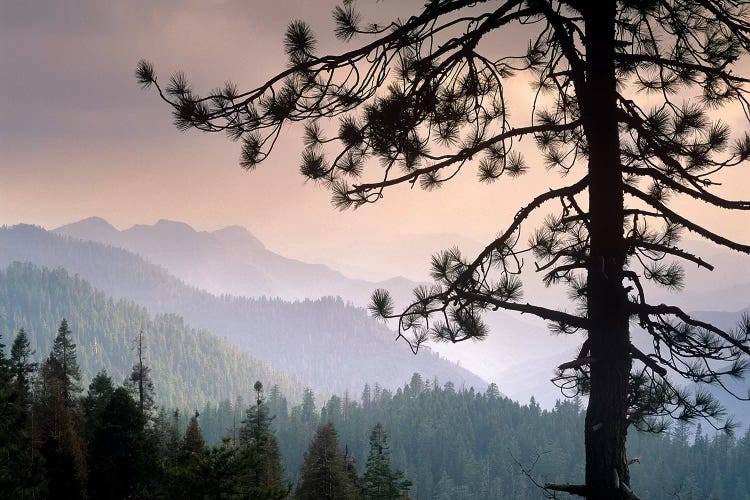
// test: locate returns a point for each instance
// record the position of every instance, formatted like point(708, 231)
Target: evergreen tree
point(186, 467)
point(21, 474)
point(324, 474)
point(95, 402)
point(139, 382)
point(622, 93)
point(21, 356)
point(60, 420)
point(63, 364)
point(193, 443)
point(116, 448)
point(101, 389)
point(308, 406)
point(8, 424)
point(262, 475)
point(380, 482)
point(220, 473)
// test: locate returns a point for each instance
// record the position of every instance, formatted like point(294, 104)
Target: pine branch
point(699, 193)
point(541, 312)
point(677, 252)
point(673, 63)
point(463, 155)
point(674, 217)
point(663, 309)
point(638, 354)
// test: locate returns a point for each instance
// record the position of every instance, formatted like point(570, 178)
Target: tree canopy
point(625, 106)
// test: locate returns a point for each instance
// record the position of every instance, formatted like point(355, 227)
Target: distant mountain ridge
point(326, 343)
point(230, 260)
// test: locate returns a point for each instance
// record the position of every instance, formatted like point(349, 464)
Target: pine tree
point(21, 356)
point(187, 465)
point(8, 424)
point(63, 364)
point(424, 97)
point(139, 382)
point(308, 406)
point(262, 475)
point(60, 420)
point(95, 402)
point(193, 443)
point(21, 473)
point(324, 474)
point(380, 482)
point(115, 448)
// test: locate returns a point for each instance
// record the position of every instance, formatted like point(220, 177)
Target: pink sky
point(79, 138)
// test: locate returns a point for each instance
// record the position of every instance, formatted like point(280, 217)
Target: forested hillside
point(452, 443)
point(466, 445)
point(189, 366)
point(326, 343)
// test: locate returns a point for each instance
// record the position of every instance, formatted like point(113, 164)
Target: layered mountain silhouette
point(519, 354)
point(231, 260)
point(326, 343)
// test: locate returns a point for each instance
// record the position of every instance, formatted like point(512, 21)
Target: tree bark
point(609, 337)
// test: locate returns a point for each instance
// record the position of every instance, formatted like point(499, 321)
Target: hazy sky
point(78, 137)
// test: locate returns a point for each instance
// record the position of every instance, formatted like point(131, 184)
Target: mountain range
point(328, 344)
point(231, 261)
point(519, 354)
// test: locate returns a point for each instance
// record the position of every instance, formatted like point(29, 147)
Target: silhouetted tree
point(623, 90)
point(63, 364)
point(139, 382)
point(8, 423)
point(60, 421)
point(23, 366)
point(95, 402)
point(21, 475)
point(115, 448)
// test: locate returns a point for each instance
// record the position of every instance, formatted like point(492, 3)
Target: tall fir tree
point(379, 481)
point(115, 448)
point(325, 474)
point(187, 464)
point(60, 424)
point(8, 422)
point(23, 366)
point(261, 475)
point(193, 443)
point(139, 383)
point(21, 473)
point(63, 363)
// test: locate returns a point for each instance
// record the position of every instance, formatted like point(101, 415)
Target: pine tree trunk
point(609, 339)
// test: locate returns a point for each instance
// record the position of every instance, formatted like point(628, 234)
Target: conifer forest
point(375, 250)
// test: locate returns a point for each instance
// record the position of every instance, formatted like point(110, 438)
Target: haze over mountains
point(326, 343)
point(519, 354)
point(230, 260)
point(233, 261)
